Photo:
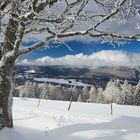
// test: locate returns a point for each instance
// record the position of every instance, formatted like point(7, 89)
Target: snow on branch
point(62, 18)
point(83, 33)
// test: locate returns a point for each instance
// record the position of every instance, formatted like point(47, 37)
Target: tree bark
point(7, 61)
point(6, 102)
point(6, 98)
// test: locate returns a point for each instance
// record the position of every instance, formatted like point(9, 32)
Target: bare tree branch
point(70, 34)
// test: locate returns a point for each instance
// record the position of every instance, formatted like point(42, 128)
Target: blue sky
point(85, 54)
point(87, 48)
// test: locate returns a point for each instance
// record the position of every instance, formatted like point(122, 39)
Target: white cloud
point(102, 58)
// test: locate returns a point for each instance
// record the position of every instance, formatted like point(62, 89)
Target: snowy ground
point(52, 121)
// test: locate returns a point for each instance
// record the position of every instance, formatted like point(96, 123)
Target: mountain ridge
point(98, 76)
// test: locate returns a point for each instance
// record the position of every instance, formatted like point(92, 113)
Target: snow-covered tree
point(85, 93)
point(67, 93)
point(137, 94)
point(75, 93)
point(43, 20)
point(112, 91)
point(28, 90)
point(55, 92)
point(127, 94)
point(44, 91)
point(93, 94)
point(80, 98)
point(119, 92)
point(101, 97)
point(36, 89)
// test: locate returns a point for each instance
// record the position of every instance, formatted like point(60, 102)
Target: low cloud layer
point(102, 58)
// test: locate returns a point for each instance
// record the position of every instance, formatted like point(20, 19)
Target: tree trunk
point(7, 61)
point(6, 102)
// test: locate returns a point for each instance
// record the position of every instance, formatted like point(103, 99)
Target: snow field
point(85, 121)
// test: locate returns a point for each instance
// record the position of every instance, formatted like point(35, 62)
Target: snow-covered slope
point(85, 121)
